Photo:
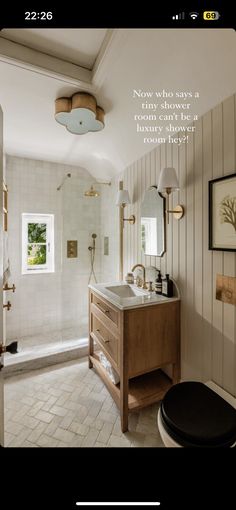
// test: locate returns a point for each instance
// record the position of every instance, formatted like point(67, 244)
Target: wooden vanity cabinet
point(138, 342)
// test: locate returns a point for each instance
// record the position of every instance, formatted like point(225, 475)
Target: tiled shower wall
point(59, 300)
point(208, 326)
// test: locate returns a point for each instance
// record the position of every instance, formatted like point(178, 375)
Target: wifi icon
point(194, 15)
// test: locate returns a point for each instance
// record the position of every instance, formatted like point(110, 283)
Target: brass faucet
point(144, 285)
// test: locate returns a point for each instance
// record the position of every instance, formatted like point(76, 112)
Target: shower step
point(14, 365)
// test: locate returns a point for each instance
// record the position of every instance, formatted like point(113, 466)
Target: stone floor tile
point(58, 410)
point(27, 444)
point(64, 435)
point(79, 428)
point(13, 427)
point(50, 402)
point(66, 421)
point(116, 431)
point(46, 441)
point(153, 440)
point(118, 441)
point(52, 427)
point(90, 438)
point(105, 432)
point(105, 416)
point(44, 416)
point(35, 408)
point(20, 438)
point(29, 421)
point(67, 405)
point(36, 433)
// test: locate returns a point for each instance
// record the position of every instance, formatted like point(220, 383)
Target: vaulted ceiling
point(37, 66)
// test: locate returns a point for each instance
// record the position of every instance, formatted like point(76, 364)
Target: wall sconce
point(122, 200)
point(168, 182)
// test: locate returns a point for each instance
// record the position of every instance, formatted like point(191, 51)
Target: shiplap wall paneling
point(229, 258)
point(153, 183)
point(208, 327)
point(157, 161)
point(147, 185)
point(217, 256)
point(175, 223)
point(169, 253)
point(182, 281)
point(190, 340)
point(235, 256)
point(207, 254)
point(162, 150)
point(197, 326)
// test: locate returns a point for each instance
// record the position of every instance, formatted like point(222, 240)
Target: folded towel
point(6, 261)
point(110, 370)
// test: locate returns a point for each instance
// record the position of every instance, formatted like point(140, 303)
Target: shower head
point(94, 236)
point(59, 187)
point(91, 193)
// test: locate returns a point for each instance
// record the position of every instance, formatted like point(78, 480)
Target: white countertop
point(145, 298)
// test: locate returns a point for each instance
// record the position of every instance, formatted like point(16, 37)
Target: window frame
point(47, 219)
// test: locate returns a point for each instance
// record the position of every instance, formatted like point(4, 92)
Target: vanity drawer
point(106, 339)
point(108, 311)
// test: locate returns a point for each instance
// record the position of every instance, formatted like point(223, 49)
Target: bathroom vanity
point(139, 333)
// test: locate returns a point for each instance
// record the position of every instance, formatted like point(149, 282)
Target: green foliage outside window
point(37, 232)
point(37, 253)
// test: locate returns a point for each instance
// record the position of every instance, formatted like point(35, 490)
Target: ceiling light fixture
point(79, 113)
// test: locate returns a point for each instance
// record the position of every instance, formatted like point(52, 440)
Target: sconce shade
point(168, 180)
point(122, 197)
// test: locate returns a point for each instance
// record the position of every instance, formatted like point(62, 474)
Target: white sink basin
point(126, 291)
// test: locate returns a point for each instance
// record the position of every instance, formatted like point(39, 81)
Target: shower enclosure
point(49, 312)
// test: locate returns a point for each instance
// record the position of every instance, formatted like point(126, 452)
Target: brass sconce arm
point(122, 200)
point(178, 211)
point(168, 182)
point(131, 219)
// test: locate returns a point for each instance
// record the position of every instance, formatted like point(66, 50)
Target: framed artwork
point(222, 213)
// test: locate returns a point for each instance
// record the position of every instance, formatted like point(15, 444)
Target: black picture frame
point(222, 213)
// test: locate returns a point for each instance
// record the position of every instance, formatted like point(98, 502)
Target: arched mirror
point(153, 223)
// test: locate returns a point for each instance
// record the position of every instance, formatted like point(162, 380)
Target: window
point(37, 243)
point(149, 235)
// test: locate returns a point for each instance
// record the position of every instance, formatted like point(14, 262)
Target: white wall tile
point(50, 302)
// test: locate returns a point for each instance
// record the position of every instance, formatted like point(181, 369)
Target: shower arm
point(63, 180)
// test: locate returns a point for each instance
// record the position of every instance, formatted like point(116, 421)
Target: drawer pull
point(104, 311)
point(103, 339)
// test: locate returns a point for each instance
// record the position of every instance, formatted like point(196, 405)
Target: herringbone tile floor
point(67, 405)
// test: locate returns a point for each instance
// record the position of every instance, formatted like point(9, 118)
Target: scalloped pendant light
point(79, 113)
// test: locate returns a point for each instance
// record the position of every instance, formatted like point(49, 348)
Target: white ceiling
point(197, 60)
point(79, 46)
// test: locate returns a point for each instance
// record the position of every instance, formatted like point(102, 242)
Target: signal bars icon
point(181, 15)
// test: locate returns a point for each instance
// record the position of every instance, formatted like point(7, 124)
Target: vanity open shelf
point(144, 390)
point(138, 341)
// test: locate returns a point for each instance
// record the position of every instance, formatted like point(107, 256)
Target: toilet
point(191, 414)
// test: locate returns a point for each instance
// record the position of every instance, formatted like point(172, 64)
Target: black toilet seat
point(194, 415)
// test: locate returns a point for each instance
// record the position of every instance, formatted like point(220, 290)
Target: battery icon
point(211, 15)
